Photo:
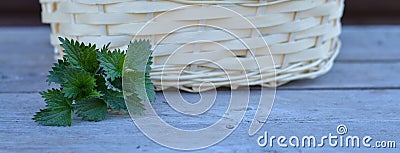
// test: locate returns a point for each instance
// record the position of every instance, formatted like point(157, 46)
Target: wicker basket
point(302, 36)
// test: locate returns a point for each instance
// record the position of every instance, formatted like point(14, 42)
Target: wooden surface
point(362, 91)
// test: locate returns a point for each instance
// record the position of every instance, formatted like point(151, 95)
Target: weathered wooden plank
point(24, 69)
point(26, 57)
point(298, 113)
point(31, 78)
point(22, 36)
point(353, 75)
point(370, 43)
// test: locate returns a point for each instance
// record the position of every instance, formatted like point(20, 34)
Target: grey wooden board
point(361, 91)
point(299, 113)
point(25, 59)
point(370, 43)
point(25, 35)
point(354, 75)
point(24, 68)
point(24, 71)
point(31, 78)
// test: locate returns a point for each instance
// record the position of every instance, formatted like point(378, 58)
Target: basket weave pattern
point(302, 36)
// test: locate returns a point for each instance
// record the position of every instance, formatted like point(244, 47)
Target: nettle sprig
point(90, 82)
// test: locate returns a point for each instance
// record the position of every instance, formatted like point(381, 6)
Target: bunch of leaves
point(90, 81)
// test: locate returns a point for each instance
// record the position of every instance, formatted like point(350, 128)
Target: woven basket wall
point(302, 36)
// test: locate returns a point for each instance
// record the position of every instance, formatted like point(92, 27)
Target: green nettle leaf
point(112, 63)
point(93, 79)
point(100, 83)
point(59, 111)
point(141, 53)
point(133, 103)
point(137, 66)
point(81, 55)
point(151, 94)
point(115, 100)
point(56, 75)
point(117, 83)
point(137, 70)
point(79, 84)
point(91, 109)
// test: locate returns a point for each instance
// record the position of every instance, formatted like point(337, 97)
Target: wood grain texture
point(25, 59)
point(361, 91)
point(294, 113)
point(24, 68)
point(370, 43)
point(353, 76)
